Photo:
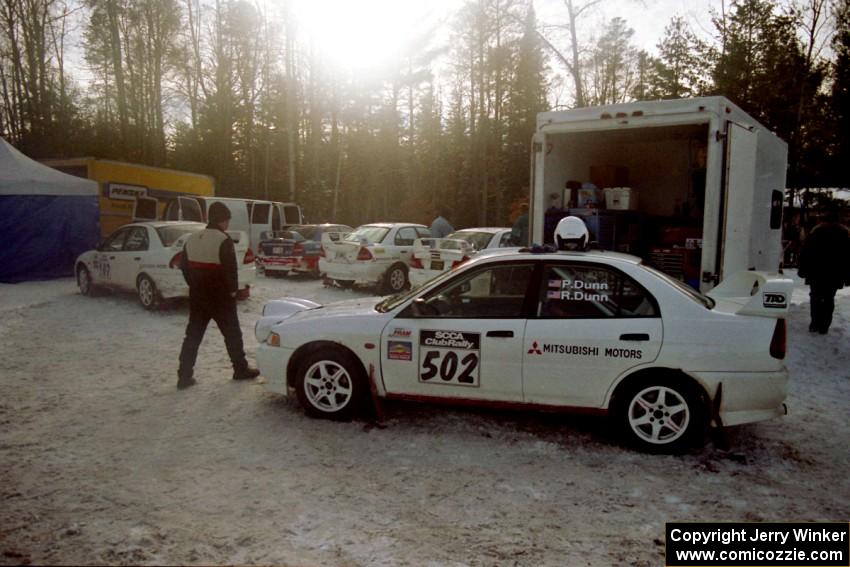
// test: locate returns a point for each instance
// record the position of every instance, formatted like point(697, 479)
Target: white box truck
point(710, 181)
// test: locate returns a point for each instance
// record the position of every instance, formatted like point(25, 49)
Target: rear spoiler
point(761, 294)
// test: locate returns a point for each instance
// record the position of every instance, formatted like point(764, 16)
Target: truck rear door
point(734, 245)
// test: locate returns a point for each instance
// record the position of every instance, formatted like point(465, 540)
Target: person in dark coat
point(825, 265)
point(210, 267)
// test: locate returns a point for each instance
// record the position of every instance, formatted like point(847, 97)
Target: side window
point(498, 292)
point(137, 240)
point(586, 291)
point(506, 240)
point(260, 213)
point(115, 242)
point(423, 232)
point(405, 236)
point(291, 214)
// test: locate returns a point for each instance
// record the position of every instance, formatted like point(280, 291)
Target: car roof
point(490, 229)
point(392, 224)
point(527, 254)
point(163, 224)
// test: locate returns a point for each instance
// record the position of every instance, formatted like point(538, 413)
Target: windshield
point(478, 240)
point(683, 287)
point(169, 234)
point(371, 234)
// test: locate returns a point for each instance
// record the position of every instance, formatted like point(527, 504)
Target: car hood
point(279, 310)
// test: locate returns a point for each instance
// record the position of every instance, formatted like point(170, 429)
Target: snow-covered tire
point(148, 294)
point(330, 384)
point(661, 415)
point(84, 281)
point(395, 280)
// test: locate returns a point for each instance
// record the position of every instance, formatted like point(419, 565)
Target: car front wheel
point(148, 294)
point(661, 416)
point(330, 385)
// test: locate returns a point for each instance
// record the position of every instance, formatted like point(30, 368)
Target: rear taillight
point(322, 252)
point(175, 261)
point(364, 254)
point(416, 263)
point(779, 341)
point(298, 250)
point(249, 257)
point(459, 263)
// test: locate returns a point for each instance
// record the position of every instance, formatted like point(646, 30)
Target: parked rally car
point(373, 254)
point(595, 331)
point(296, 249)
point(145, 257)
point(433, 256)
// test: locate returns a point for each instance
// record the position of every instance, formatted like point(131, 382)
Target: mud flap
point(377, 405)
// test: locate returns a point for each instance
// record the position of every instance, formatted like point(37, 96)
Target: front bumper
point(272, 362)
point(747, 397)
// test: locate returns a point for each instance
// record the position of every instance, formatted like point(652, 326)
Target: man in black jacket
point(210, 268)
point(825, 265)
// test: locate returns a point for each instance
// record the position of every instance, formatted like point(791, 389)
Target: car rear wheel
point(330, 385)
point(395, 279)
point(148, 294)
point(661, 415)
point(84, 281)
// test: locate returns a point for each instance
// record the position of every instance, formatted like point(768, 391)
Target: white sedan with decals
point(373, 254)
point(588, 331)
point(145, 257)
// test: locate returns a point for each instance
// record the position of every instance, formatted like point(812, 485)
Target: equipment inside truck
point(640, 191)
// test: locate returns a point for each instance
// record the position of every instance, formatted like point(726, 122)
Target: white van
point(251, 216)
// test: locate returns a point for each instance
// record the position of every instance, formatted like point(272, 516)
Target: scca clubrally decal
point(449, 357)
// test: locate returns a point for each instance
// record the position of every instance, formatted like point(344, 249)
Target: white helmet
point(571, 234)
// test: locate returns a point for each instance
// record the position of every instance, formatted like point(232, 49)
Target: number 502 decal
point(449, 357)
point(448, 367)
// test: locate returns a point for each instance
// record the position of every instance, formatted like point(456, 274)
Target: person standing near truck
point(209, 267)
point(825, 265)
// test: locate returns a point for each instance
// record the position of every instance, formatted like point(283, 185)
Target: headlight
point(273, 339)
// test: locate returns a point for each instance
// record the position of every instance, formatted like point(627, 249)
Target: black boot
point(184, 382)
point(246, 373)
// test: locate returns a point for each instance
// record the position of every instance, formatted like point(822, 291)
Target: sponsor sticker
point(775, 301)
point(401, 332)
point(399, 350)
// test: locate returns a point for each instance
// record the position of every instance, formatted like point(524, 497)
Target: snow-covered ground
point(102, 460)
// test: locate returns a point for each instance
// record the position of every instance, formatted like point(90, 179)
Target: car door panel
point(450, 343)
point(593, 324)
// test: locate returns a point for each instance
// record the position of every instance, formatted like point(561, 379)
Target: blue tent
point(47, 218)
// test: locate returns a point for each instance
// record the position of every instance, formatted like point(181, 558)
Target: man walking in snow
point(825, 265)
point(209, 267)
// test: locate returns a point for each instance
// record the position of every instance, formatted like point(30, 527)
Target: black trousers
point(223, 312)
point(822, 298)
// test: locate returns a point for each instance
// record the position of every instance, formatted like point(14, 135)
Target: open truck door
point(737, 206)
point(536, 190)
point(183, 208)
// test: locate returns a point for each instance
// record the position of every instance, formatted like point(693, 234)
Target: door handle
point(500, 334)
point(112, 257)
point(137, 258)
point(635, 337)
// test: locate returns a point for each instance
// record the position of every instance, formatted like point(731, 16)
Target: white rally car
point(593, 331)
point(433, 256)
point(373, 255)
point(145, 257)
